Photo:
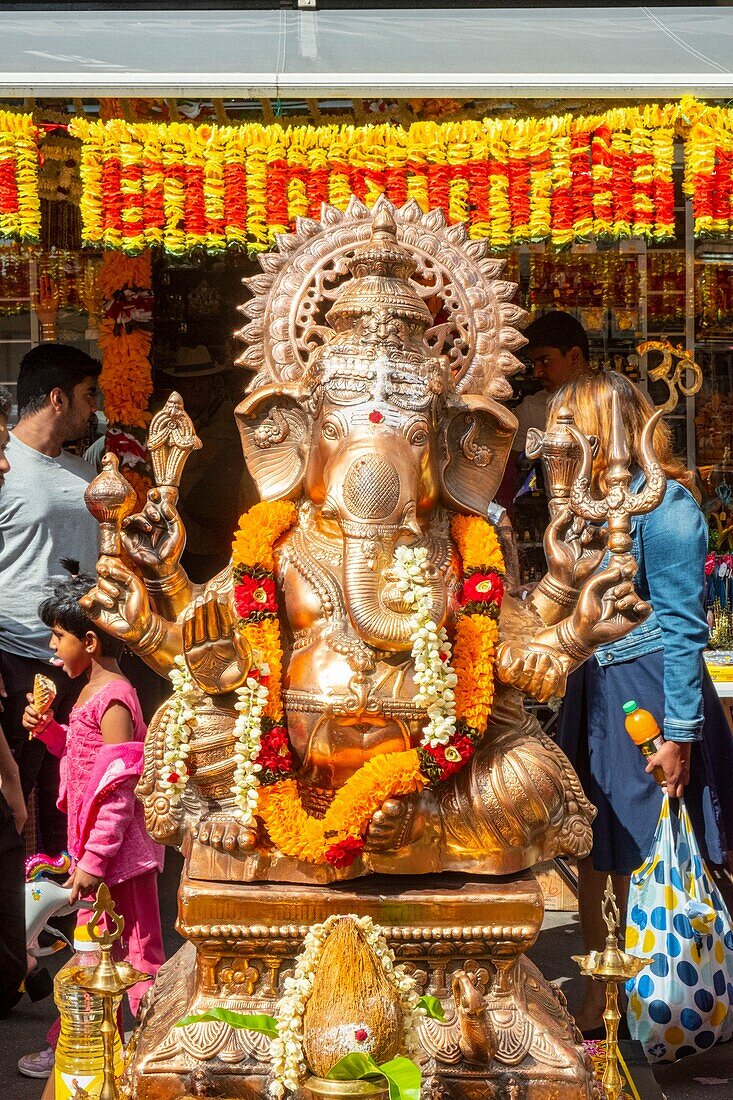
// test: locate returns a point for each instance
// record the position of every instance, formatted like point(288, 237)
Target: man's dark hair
point(557, 330)
point(48, 367)
point(62, 609)
point(6, 403)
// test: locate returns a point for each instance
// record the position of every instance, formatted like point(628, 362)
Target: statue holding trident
point(346, 759)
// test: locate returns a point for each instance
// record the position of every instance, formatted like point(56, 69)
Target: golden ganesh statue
point(346, 736)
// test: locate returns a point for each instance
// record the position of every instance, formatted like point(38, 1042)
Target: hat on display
point(193, 363)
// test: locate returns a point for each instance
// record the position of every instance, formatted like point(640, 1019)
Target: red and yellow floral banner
point(20, 206)
point(559, 179)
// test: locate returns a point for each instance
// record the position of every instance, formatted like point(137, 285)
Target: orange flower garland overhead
point(20, 204)
point(555, 179)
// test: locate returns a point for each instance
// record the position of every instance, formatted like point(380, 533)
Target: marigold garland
point(264, 782)
point(258, 530)
point(474, 654)
point(709, 167)
point(477, 544)
point(298, 834)
point(253, 564)
point(20, 204)
point(557, 178)
point(126, 379)
point(512, 180)
point(477, 633)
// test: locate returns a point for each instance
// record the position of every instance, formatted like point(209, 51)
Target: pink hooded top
point(106, 826)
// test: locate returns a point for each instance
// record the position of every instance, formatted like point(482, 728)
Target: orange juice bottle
point(643, 730)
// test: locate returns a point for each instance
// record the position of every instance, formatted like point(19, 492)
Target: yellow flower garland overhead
point(709, 168)
point(555, 178)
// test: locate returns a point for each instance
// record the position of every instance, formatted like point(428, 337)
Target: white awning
point(463, 53)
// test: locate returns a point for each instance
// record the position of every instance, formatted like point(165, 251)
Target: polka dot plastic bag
point(682, 1002)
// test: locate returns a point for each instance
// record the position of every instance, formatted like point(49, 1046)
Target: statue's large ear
point(275, 427)
point(477, 438)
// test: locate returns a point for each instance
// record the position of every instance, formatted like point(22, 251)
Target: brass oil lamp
point(108, 981)
point(612, 966)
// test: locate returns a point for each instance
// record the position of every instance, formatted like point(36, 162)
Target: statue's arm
point(171, 593)
point(574, 550)
point(155, 539)
point(608, 608)
point(119, 603)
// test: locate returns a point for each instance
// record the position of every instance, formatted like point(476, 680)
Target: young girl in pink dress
point(101, 753)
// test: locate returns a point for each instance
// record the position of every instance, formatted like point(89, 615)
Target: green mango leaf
point(241, 1020)
point(403, 1077)
point(432, 1006)
point(353, 1067)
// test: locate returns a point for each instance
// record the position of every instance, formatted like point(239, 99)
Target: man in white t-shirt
point(558, 350)
point(45, 532)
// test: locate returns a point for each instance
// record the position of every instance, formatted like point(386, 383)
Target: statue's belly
point(338, 717)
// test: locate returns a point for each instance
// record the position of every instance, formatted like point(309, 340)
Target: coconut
point(353, 1005)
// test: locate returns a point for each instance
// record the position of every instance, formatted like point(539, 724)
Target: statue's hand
point(536, 670)
point(218, 657)
point(609, 607)
point(118, 602)
point(392, 825)
point(574, 549)
point(155, 537)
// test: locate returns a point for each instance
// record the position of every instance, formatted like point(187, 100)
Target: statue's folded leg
point(519, 803)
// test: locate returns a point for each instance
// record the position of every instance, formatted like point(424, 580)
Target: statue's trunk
point(376, 624)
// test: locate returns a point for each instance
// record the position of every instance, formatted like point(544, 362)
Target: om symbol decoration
point(672, 374)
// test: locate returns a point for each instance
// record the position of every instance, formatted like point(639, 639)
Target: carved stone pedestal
point(506, 1036)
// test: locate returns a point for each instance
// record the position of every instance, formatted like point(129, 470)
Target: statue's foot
point(226, 834)
point(392, 826)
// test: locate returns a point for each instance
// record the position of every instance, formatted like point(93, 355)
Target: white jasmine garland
point(286, 1051)
point(431, 650)
point(180, 722)
point(250, 706)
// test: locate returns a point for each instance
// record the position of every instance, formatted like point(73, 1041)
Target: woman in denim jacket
point(660, 665)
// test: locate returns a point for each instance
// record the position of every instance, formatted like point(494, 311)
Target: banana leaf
point(403, 1077)
point(432, 1006)
point(256, 1022)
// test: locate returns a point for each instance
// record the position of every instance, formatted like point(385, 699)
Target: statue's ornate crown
point(398, 260)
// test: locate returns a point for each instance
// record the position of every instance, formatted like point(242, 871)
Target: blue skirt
point(611, 768)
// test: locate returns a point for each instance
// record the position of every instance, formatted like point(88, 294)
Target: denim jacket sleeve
point(674, 541)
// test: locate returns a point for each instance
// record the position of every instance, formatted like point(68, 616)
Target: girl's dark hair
point(63, 609)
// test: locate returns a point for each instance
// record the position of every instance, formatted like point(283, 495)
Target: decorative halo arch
point(477, 324)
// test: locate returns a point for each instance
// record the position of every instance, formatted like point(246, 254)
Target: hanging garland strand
point(125, 339)
point(511, 180)
point(709, 167)
point(20, 204)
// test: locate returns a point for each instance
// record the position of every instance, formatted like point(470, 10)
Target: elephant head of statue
point(379, 429)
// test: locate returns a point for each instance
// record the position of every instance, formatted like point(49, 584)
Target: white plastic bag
point(683, 1002)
